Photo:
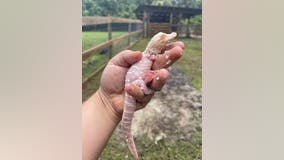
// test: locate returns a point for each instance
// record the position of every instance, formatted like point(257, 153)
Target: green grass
point(191, 62)
point(90, 87)
point(91, 39)
point(93, 63)
point(148, 150)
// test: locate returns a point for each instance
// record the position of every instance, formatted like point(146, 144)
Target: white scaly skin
point(136, 75)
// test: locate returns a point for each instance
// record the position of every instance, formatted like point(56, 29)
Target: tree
point(189, 3)
point(162, 3)
point(120, 8)
point(178, 3)
point(126, 8)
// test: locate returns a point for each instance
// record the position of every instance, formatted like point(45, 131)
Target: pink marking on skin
point(149, 76)
point(168, 62)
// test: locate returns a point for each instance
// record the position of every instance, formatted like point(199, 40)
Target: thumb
point(126, 58)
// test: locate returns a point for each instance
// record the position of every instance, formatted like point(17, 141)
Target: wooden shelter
point(163, 18)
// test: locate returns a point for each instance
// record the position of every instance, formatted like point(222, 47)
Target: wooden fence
point(110, 42)
point(183, 30)
point(106, 20)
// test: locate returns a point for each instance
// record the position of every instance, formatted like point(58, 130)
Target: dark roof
point(186, 12)
point(194, 11)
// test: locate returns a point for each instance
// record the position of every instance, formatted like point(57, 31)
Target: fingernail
point(157, 78)
point(168, 62)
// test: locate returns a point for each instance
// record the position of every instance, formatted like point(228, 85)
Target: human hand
point(112, 87)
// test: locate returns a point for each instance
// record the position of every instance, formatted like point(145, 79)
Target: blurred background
point(170, 126)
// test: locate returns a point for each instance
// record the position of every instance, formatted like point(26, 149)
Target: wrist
point(108, 106)
point(98, 124)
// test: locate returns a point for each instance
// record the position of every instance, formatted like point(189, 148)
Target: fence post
point(188, 28)
point(171, 22)
point(179, 29)
point(187, 31)
point(109, 29)
point(145, 28)
point(129, 31)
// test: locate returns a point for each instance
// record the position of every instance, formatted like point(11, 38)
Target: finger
point(149, 76)
point(126, 58)
point(135, 92)
point(139, 106)
point(159, 80)
point(168, 58)
point(142, 104)
point(172, 45)
point(145, 100)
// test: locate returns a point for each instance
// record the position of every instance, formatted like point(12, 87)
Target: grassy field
point(191, 62)
point(90, 39)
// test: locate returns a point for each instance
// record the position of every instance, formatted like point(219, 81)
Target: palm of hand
point(112, 83)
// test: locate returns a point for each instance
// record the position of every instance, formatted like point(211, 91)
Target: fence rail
point(109, 43)
point(104, 20)
point(187, 30)
point(103, 66)
point(133, 29)
point(183, 30)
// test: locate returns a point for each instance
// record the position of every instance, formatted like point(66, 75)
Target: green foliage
point(91, 7)
point(189, 3)
point(126, 8)
point(178, 3)
point(196, 23)
point(196, 20)
point(162, 3)
point(118, 8)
